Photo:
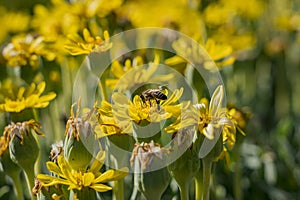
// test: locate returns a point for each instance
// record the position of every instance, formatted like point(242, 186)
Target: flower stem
point(207, 163)
point(29, 174)
point(198, 184)
point(238, 192)
point(17, 185)
point(119, 189)
point(184, 192)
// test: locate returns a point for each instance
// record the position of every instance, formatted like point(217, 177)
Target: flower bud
point(150, 179)
point(23, 147)
point(79, 142)
point(184, 168)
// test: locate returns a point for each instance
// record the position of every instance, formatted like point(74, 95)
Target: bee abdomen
point(160, 95)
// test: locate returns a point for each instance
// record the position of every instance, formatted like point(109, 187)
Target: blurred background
point(263, 82)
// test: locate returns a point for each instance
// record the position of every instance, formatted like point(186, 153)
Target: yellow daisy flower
point(78, 45)
point(220, 52)
point(137, 110)
point(133, 74)
point(91, 178)
point(207, 119)
point(17, 100)
point(108, 125)
point(25, 50)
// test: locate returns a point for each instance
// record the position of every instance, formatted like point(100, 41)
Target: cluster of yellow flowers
point(47, 47)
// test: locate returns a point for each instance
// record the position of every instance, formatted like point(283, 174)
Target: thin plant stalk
point(198, 184)
point(29, 174)
point(17, 185)
point(184, 191)
point(207, 163)
point(118, 189)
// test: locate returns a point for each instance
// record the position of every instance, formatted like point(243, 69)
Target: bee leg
point(158, 104)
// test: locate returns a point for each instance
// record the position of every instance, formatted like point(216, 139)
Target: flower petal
point(52, 167)
point(100, 187)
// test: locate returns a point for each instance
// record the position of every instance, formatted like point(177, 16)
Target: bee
point(153, 94)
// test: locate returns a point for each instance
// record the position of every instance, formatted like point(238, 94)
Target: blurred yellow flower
point(12, 22)
point(92, 8)
point(221, 53)
point(14, 99)
point(77, 45)
point(135, 73)
point(238, 40)
point(25, 50)
point(152, 13)
point(226, 11)
point(56, 20)
point(91, 178)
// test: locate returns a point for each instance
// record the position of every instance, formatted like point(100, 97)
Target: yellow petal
point(41, 87)
point(52, 167)
point(100, 187)
point(117, 69)
point(216, 101)
point(88, 179)
point(98, 162)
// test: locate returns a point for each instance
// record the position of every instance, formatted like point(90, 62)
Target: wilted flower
point(13, 99)
point(57, 149)
point(148, 156)
point(80, 140)
point(21, 142)
point(144, 154)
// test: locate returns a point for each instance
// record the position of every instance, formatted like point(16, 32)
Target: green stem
point(184, 191)
point(29, 174)
point(238, 193)
point(17, 185)
point(198, 184)
point(119, 190)
point(207, 163)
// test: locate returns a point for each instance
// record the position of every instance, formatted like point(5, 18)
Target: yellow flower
point(225, 11)
point(87, 44)
point(108, 124)
point(207, 119)
point(16, 100)
point(25, 50)
point(134, 74)
point(176, 15)
point(91, 178)
point(137, 110)
point(234, 37)
point(220, 52)
point(92, 8)
point(12, 22)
